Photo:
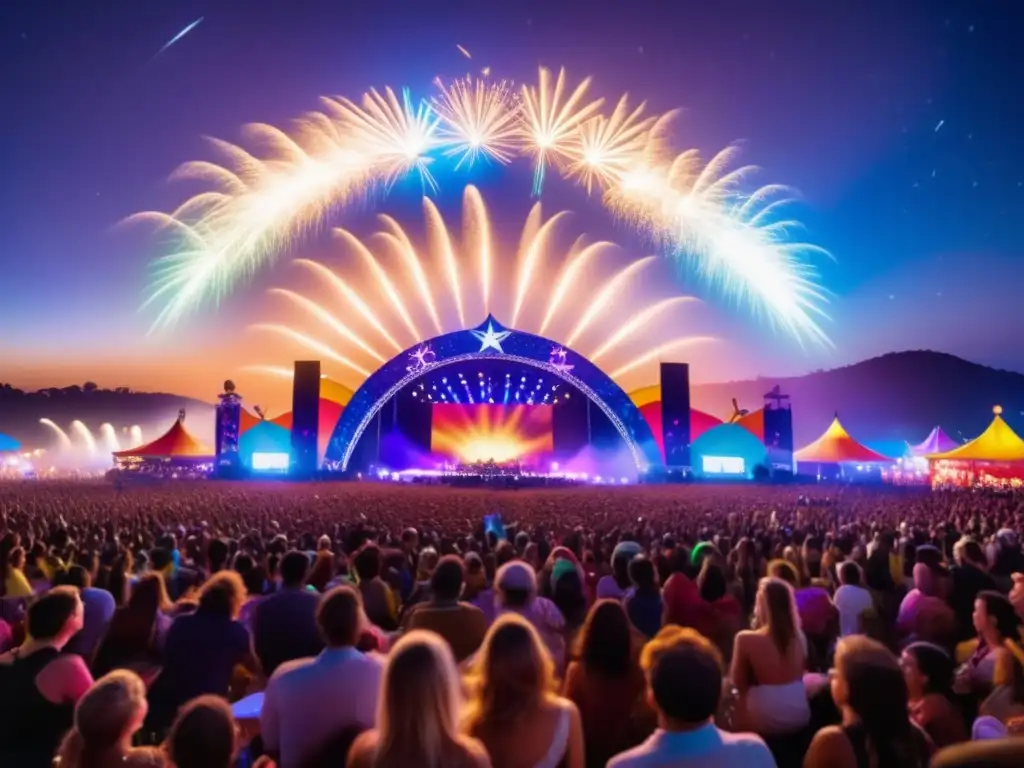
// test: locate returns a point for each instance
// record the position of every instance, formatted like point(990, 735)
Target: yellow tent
point(997, 443)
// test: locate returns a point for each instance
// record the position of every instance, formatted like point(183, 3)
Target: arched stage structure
point(492, 341)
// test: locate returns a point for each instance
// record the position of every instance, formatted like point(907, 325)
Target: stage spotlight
point(480, 375)
point(490, 400)
point(523, 379)
point(444, 381)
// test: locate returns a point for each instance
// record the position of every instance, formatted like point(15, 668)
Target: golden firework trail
point(264, 200)
point(531, 288)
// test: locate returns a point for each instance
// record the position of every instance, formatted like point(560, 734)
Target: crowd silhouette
point(200, 624)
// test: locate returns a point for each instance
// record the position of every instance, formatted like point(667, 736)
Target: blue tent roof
point(727, 441)
point(8, 444)
point(265, 437)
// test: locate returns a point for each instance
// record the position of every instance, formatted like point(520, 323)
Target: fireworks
point(260, 203)
point(530, 280)
point(479, 118)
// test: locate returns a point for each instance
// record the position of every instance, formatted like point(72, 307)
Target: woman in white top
point(513, 709)
point(768, 665)
point(852, 600)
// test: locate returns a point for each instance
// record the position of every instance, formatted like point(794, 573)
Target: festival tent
point(837, 447)
point(175, 444)
point(265, 437)
point(936, 442)
point(8, 444)
point(727, 450)
point(998, 443)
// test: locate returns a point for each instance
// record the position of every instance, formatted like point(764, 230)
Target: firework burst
point(479, 118)
point(260, 202)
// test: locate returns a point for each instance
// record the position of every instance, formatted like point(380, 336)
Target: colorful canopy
point(837, 447)
point(997, 443)
point(8, 444)
point(936, 442)
point(175, 443)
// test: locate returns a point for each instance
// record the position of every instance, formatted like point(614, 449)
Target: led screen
point(471, 433)
point(270, 462)
point(723, 465)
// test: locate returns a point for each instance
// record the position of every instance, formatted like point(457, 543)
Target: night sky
point(896, 121)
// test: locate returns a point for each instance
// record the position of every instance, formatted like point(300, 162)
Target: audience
point(267, 613)
point(462, 625)
point(684, 686)
point(40, 684)
point(418, 717)
point(310, 701)
point(107, 717)
point(284, 623)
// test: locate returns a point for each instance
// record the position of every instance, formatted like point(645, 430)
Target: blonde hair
point(102, 717)
point(513, 674)
point(420, 703)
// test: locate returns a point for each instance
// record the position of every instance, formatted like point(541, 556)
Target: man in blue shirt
point(684, 685)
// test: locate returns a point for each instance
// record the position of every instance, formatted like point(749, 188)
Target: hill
point(21, 411)
point(898, 396)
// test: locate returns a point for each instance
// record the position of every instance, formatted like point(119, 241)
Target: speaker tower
point(305, 417)
point(675, 414)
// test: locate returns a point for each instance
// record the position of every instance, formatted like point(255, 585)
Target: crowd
point(211, 625)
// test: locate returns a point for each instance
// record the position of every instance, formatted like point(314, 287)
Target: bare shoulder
point(830, 748)
point(363, 750)
point(476, 752)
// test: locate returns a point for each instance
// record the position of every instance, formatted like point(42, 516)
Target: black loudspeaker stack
point(778, 435)
point(305, 417)
point(675, 414)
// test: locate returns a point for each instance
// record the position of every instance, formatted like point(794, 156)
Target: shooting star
point(463, 51)
point(180, 35)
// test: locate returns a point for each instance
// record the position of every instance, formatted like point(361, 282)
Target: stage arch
point(490, 340)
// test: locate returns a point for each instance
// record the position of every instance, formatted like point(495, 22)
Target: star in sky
point(491, 339)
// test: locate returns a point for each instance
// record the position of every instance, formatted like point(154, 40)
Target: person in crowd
point(818, 615)
point(136, 633)
point(513, 708)
point(684, 686)
point(876, 730)
point(202, 649)
point(768, 665)
point(107, 717)
point(378, 599)
point(923, 614)
point(204, 734)
point(997, 626)
point(426, 562)
point(40, 683)
point(928, 672)
point(462, 625)
point(719, 617)
point(342, 683)
point(605, 682)
point(476, 577)
point(644, 606)
point(284, 623)
point(98, 605)
point(419, 712)
point(617, 584)
point(516, 585)
point(16, 584)
point(322, 572)
point(568, 593)
point(970, 577)
point(852, 600)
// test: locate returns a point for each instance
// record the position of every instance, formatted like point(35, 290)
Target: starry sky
point(894, 120)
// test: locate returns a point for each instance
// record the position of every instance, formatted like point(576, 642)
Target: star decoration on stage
point(491, 339)
point(557, 360)
point(421, 359)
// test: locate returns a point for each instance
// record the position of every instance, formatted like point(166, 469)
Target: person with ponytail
point(876, 729)
point(106, 719)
